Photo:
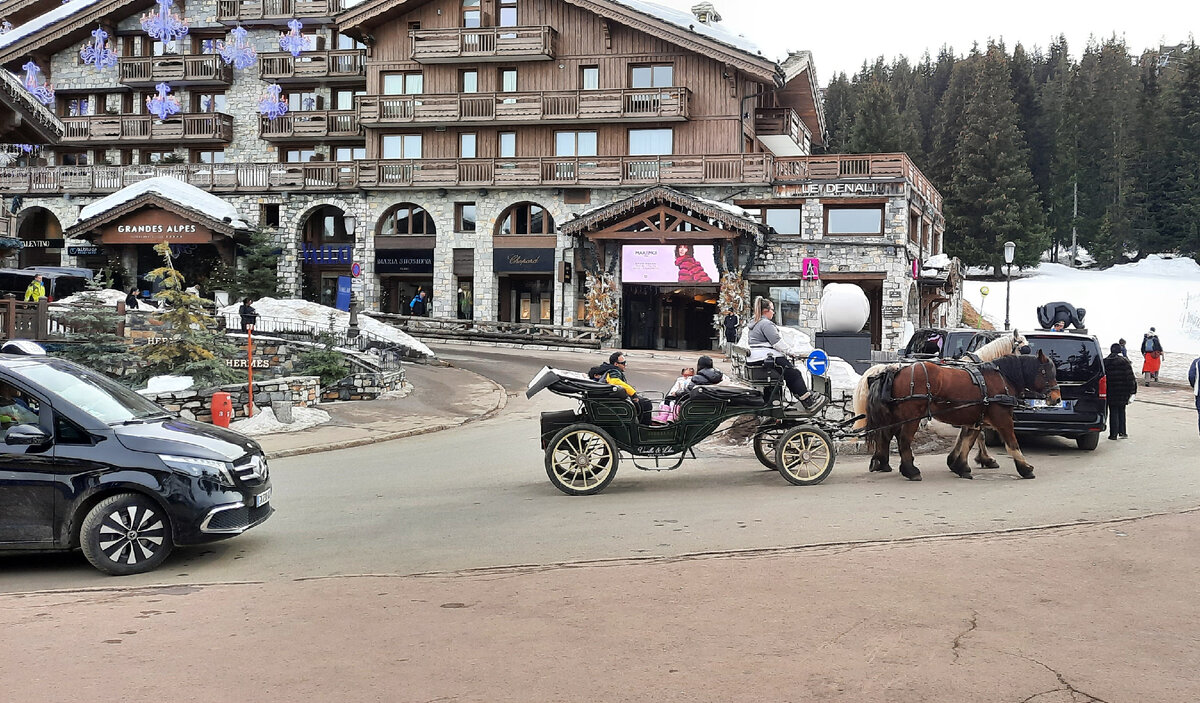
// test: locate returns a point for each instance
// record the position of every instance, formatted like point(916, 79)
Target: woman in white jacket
point(766, 344)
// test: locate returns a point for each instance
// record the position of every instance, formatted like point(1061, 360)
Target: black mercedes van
point(88, 464)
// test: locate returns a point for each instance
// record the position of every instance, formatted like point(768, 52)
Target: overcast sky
point(841, 35)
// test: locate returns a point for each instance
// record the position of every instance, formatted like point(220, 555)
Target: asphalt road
point(478, 497)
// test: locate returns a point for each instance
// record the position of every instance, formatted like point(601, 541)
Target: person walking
point(417, 305)
point(131, 301)
point(1124, 351)
point(767, 345)
point(1122, 385)
point(732, 324)
point(36, 290)
point(1194, 380)
point(249, 315)
point(1152, 354)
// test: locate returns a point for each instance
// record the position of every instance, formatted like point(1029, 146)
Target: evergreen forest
point(1011, 139)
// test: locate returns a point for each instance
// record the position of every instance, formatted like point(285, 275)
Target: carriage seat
point(733, 395)
point(762, 371)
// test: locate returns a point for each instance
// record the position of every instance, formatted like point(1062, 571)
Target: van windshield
point(1076, 358)
point(92, 393)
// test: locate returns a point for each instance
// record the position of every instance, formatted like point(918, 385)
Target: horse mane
point(1019, 370)
point(1000, 346)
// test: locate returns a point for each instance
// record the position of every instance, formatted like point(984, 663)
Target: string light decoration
point(272, 104)
point(162, 105)
point(236, 51)
point(293, 41)
point(99, 53)
point(43, 92)
point(163, 24)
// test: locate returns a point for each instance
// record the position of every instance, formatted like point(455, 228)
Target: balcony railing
point(345, 64)
point(202, 69)
point(803, 169)
point(271, 11)
point(780, 121)
point(316, 124)
point(147, 129)
point(658, 105)
point(482, 44)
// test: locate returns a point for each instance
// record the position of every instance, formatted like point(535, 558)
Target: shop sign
point(916, 269)
point(85, 251)
point(242, 362)
point(327, 254)
point(836, 188)
point(523, 260)
point(43, 243)
point(152, 226)
point(810, 270)
point(403, 261)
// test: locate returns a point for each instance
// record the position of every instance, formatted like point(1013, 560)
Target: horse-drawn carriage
point(583, 446)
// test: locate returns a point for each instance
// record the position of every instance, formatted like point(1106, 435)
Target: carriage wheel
point(764, 446)
point(581, 460)
point(805, 455)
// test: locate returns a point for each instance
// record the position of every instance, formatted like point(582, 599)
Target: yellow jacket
point(36, 291)
point(618, 382)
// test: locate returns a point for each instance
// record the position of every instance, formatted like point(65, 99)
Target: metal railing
point(489, 330)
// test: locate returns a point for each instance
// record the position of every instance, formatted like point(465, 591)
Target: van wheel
point(1089, 441)
point(126, 534)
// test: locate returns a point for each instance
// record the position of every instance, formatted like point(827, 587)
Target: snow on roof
point(172, 189)
point(732, 209)
point(688, 21)
point(42, 21)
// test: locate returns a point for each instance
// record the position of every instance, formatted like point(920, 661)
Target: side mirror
point(26, 435)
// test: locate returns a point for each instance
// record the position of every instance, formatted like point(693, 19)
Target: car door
point(27, 475)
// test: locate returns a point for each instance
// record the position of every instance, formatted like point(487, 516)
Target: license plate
point(262, 498)
point(1038, 403)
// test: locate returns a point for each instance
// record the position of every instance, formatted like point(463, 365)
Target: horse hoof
point(992, 464)
point(916, 477)
point(966, 475)
point(881, 469)
point(1026, 474)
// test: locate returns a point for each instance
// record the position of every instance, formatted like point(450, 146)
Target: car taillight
point(1104, 386)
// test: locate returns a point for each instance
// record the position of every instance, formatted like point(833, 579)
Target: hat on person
point(1115, 348)
point(1151, 329)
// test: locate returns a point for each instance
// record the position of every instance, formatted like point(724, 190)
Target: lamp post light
point(1009, 250)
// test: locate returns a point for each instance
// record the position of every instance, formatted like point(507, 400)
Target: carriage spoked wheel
point(805, 455)
point(764, 446)
point(581, 460)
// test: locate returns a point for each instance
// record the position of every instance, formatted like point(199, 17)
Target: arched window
point(406, 219)
point(327, 225)
point(525, 218)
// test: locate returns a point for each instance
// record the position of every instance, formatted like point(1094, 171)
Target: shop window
point(526, 218)
point(406, 219)
point(785, 220)
point(589, 78)
point(464, 217)
point(268, 214)
point(854, 220)
point(401, 146)
point(785, 298)
point(652, 76)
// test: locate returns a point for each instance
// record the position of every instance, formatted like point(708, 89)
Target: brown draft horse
point(900, 398)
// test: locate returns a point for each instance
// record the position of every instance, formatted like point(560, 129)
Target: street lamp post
point(1009, 250)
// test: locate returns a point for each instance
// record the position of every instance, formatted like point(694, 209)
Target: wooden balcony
point(466, 109)
point(346, 65)
point(260, 12)
point(145, 130)
point(833, 167)
point(325, 125)
point(483, 44)
point(179, 70)
point(781, 121)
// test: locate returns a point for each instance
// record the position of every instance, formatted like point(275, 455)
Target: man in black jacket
point(1122, 385)
point(706, 375)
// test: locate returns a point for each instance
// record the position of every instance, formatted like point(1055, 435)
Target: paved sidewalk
point(443, 397)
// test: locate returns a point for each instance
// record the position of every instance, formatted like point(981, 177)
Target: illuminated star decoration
point(98, 53)
point(236, 51)
point(44, 93)
point(293, 42)
point(162, 105)
point(272, 105)
point(164, 25)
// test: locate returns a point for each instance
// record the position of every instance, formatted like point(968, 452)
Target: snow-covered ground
point(264, 422)
point(1124, 301)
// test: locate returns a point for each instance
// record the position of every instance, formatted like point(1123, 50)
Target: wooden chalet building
point(491, 152)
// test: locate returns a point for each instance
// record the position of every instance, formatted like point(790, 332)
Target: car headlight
point(199, 468)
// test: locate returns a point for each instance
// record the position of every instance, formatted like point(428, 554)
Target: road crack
point(956, 645)
point(1064, 685)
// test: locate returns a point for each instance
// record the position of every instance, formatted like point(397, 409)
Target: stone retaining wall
point(302, 391)
point(364, 386)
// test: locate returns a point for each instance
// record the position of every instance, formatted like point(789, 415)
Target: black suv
point(88, 464)
point(933, 343)
point(1080, 370)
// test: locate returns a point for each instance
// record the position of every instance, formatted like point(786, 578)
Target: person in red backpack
point(690, 270)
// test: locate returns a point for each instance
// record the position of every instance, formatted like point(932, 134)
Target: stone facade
point(364, 386)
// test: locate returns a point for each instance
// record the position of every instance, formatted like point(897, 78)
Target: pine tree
point(92, 328)
point(1181, 220)
point(992, 198)
point(256, 277)
point(194, 347)
point(878, 126)
point(1056, 172)
point(839, 111)
point(947, 124)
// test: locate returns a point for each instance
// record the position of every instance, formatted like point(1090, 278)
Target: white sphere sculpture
point(844, 308)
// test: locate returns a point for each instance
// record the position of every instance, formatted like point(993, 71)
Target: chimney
point(706, 13)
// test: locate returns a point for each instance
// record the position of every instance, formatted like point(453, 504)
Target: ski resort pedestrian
point(1152, 354)
point(1122, 385)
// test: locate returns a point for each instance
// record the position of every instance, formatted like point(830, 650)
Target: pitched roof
point(62, 26)
point(167, 193)
point(727, 216)
point(28, 121)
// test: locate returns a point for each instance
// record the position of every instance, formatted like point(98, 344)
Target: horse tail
point(879, 412)
point(860, 392)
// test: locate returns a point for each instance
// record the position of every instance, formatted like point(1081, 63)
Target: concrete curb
point(501, 403)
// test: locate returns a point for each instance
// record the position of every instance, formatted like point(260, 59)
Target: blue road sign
point(818, 362)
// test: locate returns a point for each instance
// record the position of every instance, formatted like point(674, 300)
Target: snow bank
point(167, 384)
point(290, 314)
point(1124, 301)
point(265, 423)
point(108, 297)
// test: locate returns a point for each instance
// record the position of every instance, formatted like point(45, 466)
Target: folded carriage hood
point(185, 438)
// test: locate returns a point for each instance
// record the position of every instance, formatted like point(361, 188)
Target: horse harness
point(975, 372)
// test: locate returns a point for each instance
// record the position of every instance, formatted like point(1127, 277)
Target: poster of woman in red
point(690, 270)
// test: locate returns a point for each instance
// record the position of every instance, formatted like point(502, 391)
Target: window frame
point(583, 76)
point(629, 141)
point(427, 223)
point(509, 217)
point(460, 210)
point(463, 139)
point(828, 207)
point(500, 146)
point(575, 134)
point(634, 68)
point(404, 145)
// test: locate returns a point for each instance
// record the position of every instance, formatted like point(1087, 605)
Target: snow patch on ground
point(167, 384)
point(275, 314)
point(1124, 301)
point(397, 394)
point(265, 422)
point(108, 297)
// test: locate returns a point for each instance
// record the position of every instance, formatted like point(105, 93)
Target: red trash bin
point(222, 409)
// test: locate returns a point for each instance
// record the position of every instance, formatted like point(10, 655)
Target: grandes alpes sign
point(151, 226)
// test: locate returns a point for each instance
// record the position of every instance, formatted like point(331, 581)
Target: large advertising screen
point(668, 263)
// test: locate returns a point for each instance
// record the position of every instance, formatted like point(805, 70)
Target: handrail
point(656, 103)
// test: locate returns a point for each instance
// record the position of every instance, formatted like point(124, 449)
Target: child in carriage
point(703, 374)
